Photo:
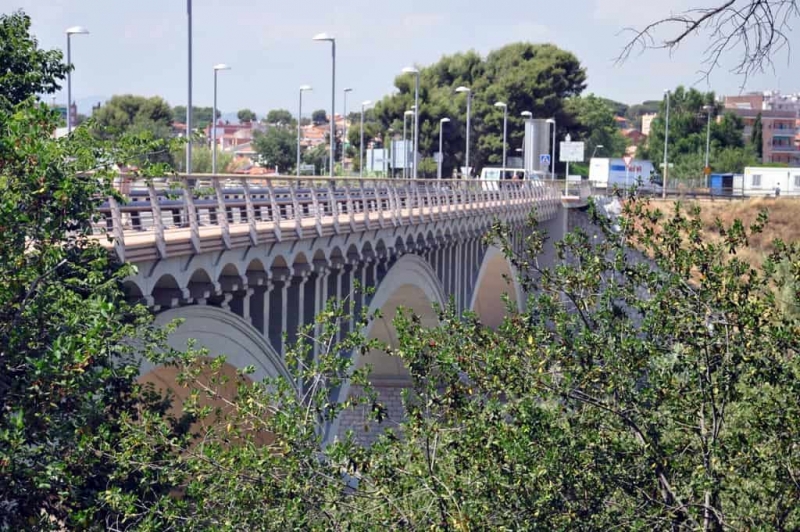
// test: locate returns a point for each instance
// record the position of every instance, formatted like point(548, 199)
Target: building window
point(756, 181)
point(797, 181)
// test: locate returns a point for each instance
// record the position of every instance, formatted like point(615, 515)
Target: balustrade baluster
point(222, 214)
point(191, 213)
point(275, 208)
point(158, 221)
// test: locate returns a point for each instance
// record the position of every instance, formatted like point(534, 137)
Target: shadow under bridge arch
point(496, 277)
point(411, 283)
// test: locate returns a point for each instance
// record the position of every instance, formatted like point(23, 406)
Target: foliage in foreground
point(651, 384)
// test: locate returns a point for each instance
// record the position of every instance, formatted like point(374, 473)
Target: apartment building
point(779, 119)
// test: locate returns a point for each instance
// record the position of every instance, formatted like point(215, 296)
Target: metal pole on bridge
point(303, 88)
point(441, 149)
point(217, 68)
point(327, 38)
point(411, 70)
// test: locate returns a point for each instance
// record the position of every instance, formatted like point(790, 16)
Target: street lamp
point(405, 145)
point(412, 70)
point(189, 88)
point(345, 121)
point(708, 109)
point(303, 88)
point(504, 107)
point(468, 91)
point(666, 141)
point(364, 105)
point(74, 30)
point(527, 115)
point(595, 150)
point(553, 151)
point(442, 122)
point(324, 37)
point(217, 68)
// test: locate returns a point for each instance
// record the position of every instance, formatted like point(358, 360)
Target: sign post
point(627, 160)
point(570, 152)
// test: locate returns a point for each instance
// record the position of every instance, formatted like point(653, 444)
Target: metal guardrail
point(301, 206)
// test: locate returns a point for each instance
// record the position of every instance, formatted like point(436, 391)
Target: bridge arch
point(491, 283)
point(222, 332)
point(410, 283)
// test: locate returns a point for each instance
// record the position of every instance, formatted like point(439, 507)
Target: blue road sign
point(544, 159)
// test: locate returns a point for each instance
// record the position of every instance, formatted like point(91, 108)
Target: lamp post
point(405, 145)
point(412, 70)
point(666, 141)
point(344, 115)
point(504, 107)
point(708, 109)
point(595, 150)
point(324, 37)
point(553, 151)
point(527, 115)
point(74, 30)
point(442, 122)
point(189, 88)
point(217, 68)
point(303, 89)
point(468, 91)
point(364, 105)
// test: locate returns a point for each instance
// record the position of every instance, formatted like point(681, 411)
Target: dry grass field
point(784, 221)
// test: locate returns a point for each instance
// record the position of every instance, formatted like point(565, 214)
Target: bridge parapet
point(189, 215)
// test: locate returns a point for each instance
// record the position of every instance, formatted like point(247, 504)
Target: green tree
point(757, 137)
point(202, 160)
point(319, 117)
point(133, 114)
point(276, 148)
point(596, 126)
point(733, 160)
point(201, 116)
point(25, 69)
point(279, 116)
point(69, 342)
point(318, 156)
point(245, 116)
point(536, 78)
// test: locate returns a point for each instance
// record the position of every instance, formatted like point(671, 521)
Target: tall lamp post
point(405, 145)
point(344, 115)
point(666, 142)
point(553, 151)
point(412, 70)
point(504, 107)
point(468, 91)
point(303, 88)
point(599, 146)
point(442, 122)
point(217, 68)
point(189, 88)
point(364, 105)
point(708, 109)
point(324, 37)
point(527, 115)
point(74, 30)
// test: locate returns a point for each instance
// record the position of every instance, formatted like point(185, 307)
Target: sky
point(140, 47)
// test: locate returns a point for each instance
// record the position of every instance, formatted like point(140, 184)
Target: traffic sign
point(707, 170)
point(544, 159)
point(571, 152)
point(627, 160)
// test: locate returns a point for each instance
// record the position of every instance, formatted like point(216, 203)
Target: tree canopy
point(245, 116)
point(201, 116)
point(279, 116)
point(277, 147)
point(25, 69)
point(528, 77)
point(594, 119)
point(132, 114)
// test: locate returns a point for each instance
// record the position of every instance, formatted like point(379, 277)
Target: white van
point(506, 175)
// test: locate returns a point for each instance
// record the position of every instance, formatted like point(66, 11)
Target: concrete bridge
point(245, 260)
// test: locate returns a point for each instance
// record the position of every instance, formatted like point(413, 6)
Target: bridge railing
point(198, 205)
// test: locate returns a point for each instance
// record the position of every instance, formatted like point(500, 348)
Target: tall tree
point(201, 116)
point(319, 117)
point(25, 69)
point(595, 125)
point(277, 147)
point(536, 78)
point(246, 116)
point(279, 116)
point(128, 113)
point(757, 137)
